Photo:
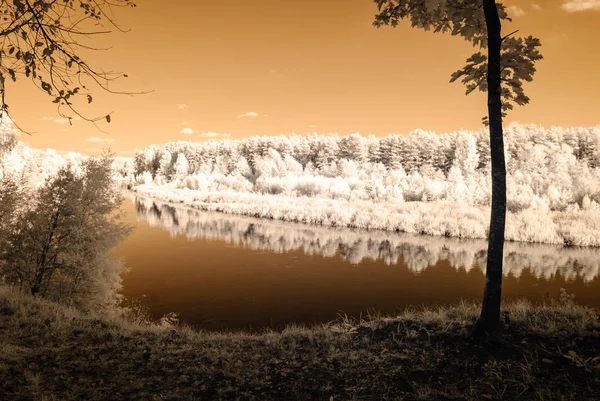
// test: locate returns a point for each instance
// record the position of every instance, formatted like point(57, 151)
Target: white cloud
point(96, 139)
point(61, 120)
point(187, 131)
point(536, 7)
point(249, 114)
point(182, 106)
point(581, 5)
point(214, 135)
point(515, 123)
point(515, 11)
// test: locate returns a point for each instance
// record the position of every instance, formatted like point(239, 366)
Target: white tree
point(373, 149)
point(181, 167)
point(242, 167)
point(165, 167)
point(8, 134)
point(324, 148)
point(353, 147)
point(465, 154)
point(391, 148)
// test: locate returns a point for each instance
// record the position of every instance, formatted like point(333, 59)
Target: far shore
point(439, 218)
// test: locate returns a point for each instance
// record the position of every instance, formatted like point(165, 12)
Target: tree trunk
point(489, 320)
point(37, 285)
point(42, 260)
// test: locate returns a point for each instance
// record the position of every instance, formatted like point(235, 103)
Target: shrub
point(59, 246)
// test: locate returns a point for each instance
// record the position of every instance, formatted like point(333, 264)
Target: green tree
point(42, 41)
point(501, 72)
point(59, 247)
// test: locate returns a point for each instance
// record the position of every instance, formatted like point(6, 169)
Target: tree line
point(555, 168)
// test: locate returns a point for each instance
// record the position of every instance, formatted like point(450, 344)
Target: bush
point(59, 245)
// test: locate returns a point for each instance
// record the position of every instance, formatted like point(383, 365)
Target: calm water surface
point(222, 272)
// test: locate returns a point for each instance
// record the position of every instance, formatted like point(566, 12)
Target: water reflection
point(418, 253)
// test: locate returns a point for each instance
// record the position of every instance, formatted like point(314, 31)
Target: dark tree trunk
point(35, 289)
point(489, 320)
point(42, 260)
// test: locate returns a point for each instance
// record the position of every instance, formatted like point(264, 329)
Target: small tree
point(500, 73)
point(10, 198)
point(181, 166)
point(8, 137)
point(42, 41)
point(60, 246)
point(165, 167)
point(353, 147)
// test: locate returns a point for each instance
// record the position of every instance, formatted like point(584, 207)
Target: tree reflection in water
point(418, 252)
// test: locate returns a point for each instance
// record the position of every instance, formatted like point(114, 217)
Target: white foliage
point(181, 166)
point(551, 169)
point(550, 172)
point(419, 253)
point(465, 156)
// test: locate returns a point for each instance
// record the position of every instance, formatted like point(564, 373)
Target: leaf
point(46, 86)
point(108, 118)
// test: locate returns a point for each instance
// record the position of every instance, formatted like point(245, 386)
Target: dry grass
point(48, 352)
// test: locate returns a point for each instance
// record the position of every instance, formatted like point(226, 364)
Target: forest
point(553, 180)
point(423, 182)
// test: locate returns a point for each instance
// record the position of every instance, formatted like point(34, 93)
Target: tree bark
point(42, 261)
point(489, 319)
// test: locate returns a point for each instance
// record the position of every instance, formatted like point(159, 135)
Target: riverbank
point(52, 352)
point(437, 218)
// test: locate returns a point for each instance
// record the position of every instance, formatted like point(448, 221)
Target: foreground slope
point(49, 352)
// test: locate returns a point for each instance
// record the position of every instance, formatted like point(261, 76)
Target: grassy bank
point(48, 352)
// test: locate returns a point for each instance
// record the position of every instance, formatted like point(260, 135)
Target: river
point(225, 272)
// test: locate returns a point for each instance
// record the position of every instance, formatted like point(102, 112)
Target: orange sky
point(305, 66)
